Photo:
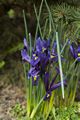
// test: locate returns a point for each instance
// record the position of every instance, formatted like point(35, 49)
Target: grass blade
point(60, 65)
point(45, 27)
point(25, 25)
point(38, 18)
point(35, 109)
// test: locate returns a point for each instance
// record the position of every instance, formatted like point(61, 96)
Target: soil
point(11, 89)
point(9, 96)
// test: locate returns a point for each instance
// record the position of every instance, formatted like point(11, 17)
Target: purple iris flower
point(54, 56)
point(34, 72)
point(35, 59)
point(51, 86)
point(43, 52)
point(44, 59)
point(35, 79)
point(42, 45)
point(41, 57)
point(25, 44)
point(24, 54)
point(75, 51)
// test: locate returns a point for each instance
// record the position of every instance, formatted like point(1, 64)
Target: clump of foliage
point(67, 17)
point(19, 112)
point(67, 113)
point(47, 69)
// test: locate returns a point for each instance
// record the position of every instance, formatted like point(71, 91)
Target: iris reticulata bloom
point(50, 86)
point(75, 51)
point(25, 56)
point(42, 57)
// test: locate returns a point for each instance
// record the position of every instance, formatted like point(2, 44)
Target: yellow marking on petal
point(52, 56)
point(48, 95)
point(35, 78)
point(43, 49)
point(34, 55)
point(36, 58)
point(78, 54)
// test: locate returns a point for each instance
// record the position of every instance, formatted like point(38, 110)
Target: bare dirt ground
point(9, 96)
point(11, 89)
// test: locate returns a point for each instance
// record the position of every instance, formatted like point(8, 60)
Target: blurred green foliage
point(12, 23)
point(2, 63)
point(67, 17)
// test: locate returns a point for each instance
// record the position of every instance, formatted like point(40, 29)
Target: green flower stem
point(64, 46)
point(27, 91)
point(37, 17)
point(60, 65)
point(25, 25)
point(28, 87)
point(45, 27)
point(30, 42)
point(30, 52)
point(51, 22)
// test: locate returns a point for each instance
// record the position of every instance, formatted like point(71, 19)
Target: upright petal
point(25, 44)
point(52, 83)
point(72, 49)
point(46, 81)
point(25, 56)
point(46, 44)
point(38, 44)
point(54, 47)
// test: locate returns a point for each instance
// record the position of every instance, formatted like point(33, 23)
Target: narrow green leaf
point(38, 19)
point(50, 16)
point(35, 109)
point(45, 26)
point(64, 46)
point(51, 22)
point(60, 65)
point(70, 68)
point(25, 24)
point(30, 43)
